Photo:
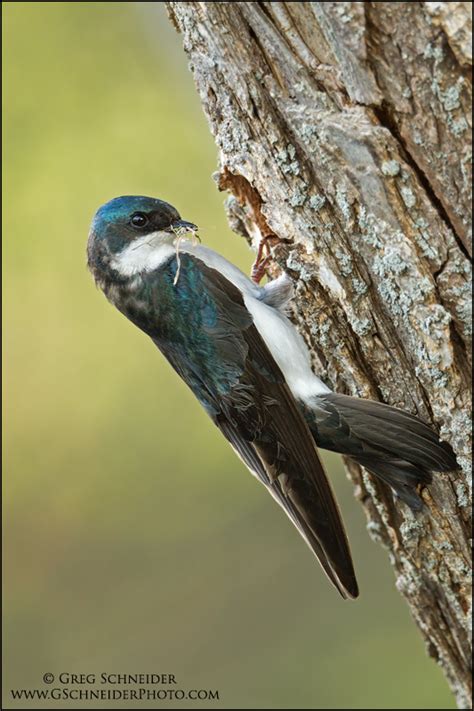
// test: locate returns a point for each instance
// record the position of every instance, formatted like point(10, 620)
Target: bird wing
point(213, 344)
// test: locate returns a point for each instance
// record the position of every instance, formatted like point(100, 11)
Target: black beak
point(183, 225)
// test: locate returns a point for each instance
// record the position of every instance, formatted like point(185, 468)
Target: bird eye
point(139, 219)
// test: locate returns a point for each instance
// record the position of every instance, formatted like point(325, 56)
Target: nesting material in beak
point(181, 228)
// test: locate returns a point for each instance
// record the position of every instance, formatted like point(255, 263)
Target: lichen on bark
point(343, 130)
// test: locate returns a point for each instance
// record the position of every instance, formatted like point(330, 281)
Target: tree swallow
point(231, 342)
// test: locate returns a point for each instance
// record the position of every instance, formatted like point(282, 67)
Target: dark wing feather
point(250, 402)
point(250, 458)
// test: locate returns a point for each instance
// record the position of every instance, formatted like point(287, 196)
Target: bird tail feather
point(392, 444)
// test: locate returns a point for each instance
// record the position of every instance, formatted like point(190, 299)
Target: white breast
point(288, 348)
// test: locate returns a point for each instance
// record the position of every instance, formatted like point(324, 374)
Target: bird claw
point(258, 267)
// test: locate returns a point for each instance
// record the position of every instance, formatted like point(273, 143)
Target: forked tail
point(394, 445)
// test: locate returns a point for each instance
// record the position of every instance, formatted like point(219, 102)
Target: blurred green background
point(135, 540)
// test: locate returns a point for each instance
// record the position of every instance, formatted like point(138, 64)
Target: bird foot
point(258, 267)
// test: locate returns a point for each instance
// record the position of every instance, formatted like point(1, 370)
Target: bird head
point(131, 220)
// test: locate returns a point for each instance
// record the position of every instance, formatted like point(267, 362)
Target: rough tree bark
point(343, 130)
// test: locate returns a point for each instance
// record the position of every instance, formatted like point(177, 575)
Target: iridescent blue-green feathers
point(203, 328)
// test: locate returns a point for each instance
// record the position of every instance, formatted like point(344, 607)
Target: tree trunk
point(343, 130)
